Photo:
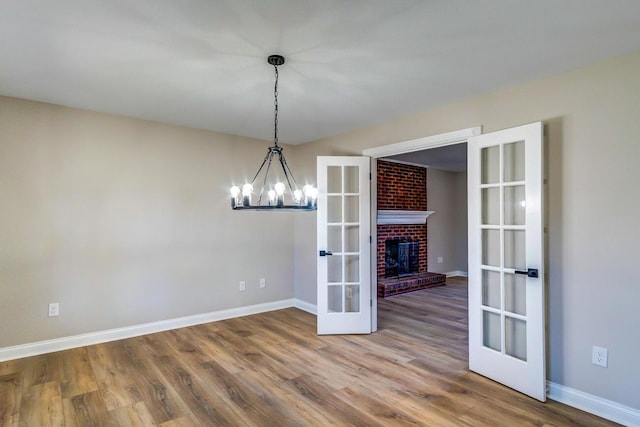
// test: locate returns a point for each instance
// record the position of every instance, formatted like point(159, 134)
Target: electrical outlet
point(599, 356)
point(440, 259)
point(54, 309)
point(243, 285)
point(263, 282)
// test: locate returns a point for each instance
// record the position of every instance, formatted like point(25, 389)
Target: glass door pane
point(492, 331)
point(513, 161)
point(343, 234)
point(503, 246)
point(491, 295)
point(516, 338)
point(490, 164)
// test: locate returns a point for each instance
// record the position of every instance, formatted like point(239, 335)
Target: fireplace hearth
point(402, 269)
point(399, 285)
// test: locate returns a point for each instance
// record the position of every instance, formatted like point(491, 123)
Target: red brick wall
point(402, 187)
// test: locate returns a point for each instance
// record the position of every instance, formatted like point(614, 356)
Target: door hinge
point(370, 303)
point(370, 240)
point(369, 176)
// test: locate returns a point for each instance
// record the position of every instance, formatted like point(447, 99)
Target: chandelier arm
point(287, 172)
point(266, 175)
point(260, 168)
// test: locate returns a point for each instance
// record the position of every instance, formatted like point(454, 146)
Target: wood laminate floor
point(272, 369)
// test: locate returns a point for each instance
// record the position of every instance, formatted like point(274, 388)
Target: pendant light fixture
point(242, 197)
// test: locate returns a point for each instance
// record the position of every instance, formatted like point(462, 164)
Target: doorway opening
point(443, 239)
point(445, 157)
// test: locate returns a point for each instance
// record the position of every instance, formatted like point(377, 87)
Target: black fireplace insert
point(401, 257)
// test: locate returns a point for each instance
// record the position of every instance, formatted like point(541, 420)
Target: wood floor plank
point(86, 409)
point(42, 369)
point(11, 366)
point(250, 405)
point(202, 400)
point(133, 415)
point(378, 407)
point(10, 398)
point(76, 374)
point(42, 406)
point(113, 374)
point(186, 421)
point(161, 400)
point(273, 369)
point(326, 400)
point(283, 398)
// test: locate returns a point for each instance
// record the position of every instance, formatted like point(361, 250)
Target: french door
point(506, 259)
point(343, 227)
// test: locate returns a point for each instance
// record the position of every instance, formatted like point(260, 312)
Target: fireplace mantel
point(402, 217)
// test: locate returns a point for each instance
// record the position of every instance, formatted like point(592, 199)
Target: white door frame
point(441, 140)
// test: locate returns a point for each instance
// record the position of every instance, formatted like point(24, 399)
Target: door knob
point(531, 272)
point(325, 253)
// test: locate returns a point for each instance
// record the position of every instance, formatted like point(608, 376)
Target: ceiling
point(350, 64)
point(449, 157)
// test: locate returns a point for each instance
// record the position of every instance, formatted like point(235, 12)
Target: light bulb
point(306, 190)
point(279, 188)
point(297, 196)
point(235, 191)
point(272, 195)
point(247, 189)
point(313, 193)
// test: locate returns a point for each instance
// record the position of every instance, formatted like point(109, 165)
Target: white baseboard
point(305, 306)
point(65, 343)
point(456, 273)
point(595, 405)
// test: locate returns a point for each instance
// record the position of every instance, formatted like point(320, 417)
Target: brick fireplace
point(402, 187)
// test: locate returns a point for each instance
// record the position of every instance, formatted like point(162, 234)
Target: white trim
point(402, 217)
point(305, 306)
point(374, 247)
point(402, 162)
point(593, 404)
point(419, 144)
point(65, 343)
point(457, 273)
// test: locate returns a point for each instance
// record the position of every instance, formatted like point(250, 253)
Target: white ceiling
point(350, 64)
point(449, 157)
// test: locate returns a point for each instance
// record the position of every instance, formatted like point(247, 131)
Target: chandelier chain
point(275, 104)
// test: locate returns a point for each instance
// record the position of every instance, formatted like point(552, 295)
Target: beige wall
point(447, 227)
point(591, 119)
point(461, 234)
point(124, 222)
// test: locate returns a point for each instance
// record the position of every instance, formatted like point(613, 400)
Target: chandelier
point(305, 199)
